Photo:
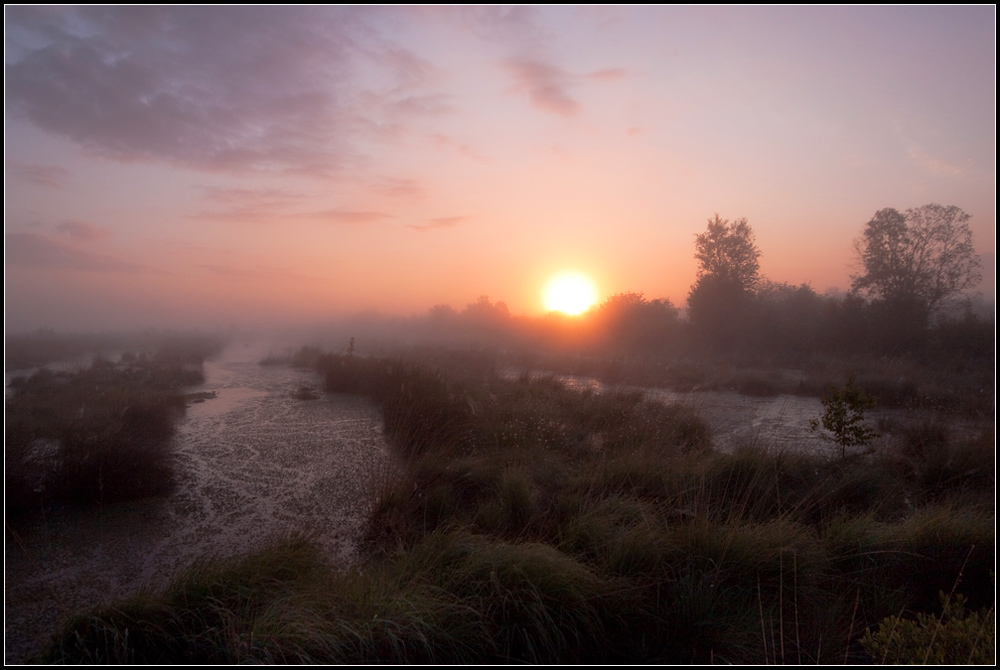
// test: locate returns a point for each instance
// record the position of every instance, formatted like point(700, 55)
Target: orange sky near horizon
point(189, 166)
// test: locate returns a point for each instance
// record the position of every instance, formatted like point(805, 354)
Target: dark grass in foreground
point(529, 523)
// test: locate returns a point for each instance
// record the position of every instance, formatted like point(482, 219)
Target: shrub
point(955, 637)
point(845, 416)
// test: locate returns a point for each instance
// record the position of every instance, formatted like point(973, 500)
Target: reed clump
point(97, 435)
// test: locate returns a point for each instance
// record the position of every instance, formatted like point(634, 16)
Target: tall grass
point(99, 435)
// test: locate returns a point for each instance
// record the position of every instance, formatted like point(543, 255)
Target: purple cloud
point(546, 86)
point(82, 231)
point(33, 250)
point(213, 88)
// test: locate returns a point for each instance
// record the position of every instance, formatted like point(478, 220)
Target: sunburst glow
point(570, 293)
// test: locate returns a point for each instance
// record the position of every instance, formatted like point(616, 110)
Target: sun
point(570, 293)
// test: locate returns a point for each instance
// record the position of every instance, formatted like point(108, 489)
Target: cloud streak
point(37, 251)
point(438, 223)
point(82, 231)
point(340, 216)
point(243, 205)
point(546, 86)
point(40, 175)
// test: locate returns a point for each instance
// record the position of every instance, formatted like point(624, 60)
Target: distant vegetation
point(525, 522)
point(30, 350)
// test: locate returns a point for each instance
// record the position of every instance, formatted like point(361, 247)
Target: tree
point(727, 252)
point(845, 416)
point(727, 276)
point(922, 258)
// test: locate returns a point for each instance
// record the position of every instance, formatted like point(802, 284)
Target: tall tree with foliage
point(922, 258)
point(728, 273)
point(727, 251)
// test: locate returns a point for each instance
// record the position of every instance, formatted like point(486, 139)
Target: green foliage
point(957, 636)
point(845, 416)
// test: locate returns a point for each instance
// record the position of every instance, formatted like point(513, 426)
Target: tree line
point(914, 268)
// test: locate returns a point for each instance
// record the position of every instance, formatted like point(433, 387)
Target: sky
point(186, 167)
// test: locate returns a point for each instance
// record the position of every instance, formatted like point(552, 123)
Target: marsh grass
point(98, 435)
point(520, 521)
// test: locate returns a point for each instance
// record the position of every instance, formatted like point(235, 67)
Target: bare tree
point(924, 257)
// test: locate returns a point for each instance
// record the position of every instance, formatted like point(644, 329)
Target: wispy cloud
point(546, 86)
point(446, 142)
point(82, 231)
point(517, 25)
point(399, 188)
point(38, 251)
point(435, 224)
point(243, 205)
point(347, 216)
point(248, 205)
point(238, 271)
point(933, 165)
point(34, 173)
point(611, 74)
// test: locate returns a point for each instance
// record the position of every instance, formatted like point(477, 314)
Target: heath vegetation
point(527, 522)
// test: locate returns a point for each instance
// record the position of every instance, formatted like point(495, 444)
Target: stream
point(254, 463)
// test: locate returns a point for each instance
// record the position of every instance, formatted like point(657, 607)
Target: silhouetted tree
point(917, 261)
point(727, 251)
point(728, 272)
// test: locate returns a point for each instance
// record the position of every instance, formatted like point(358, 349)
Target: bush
point(955, 637)
point(845, 416)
